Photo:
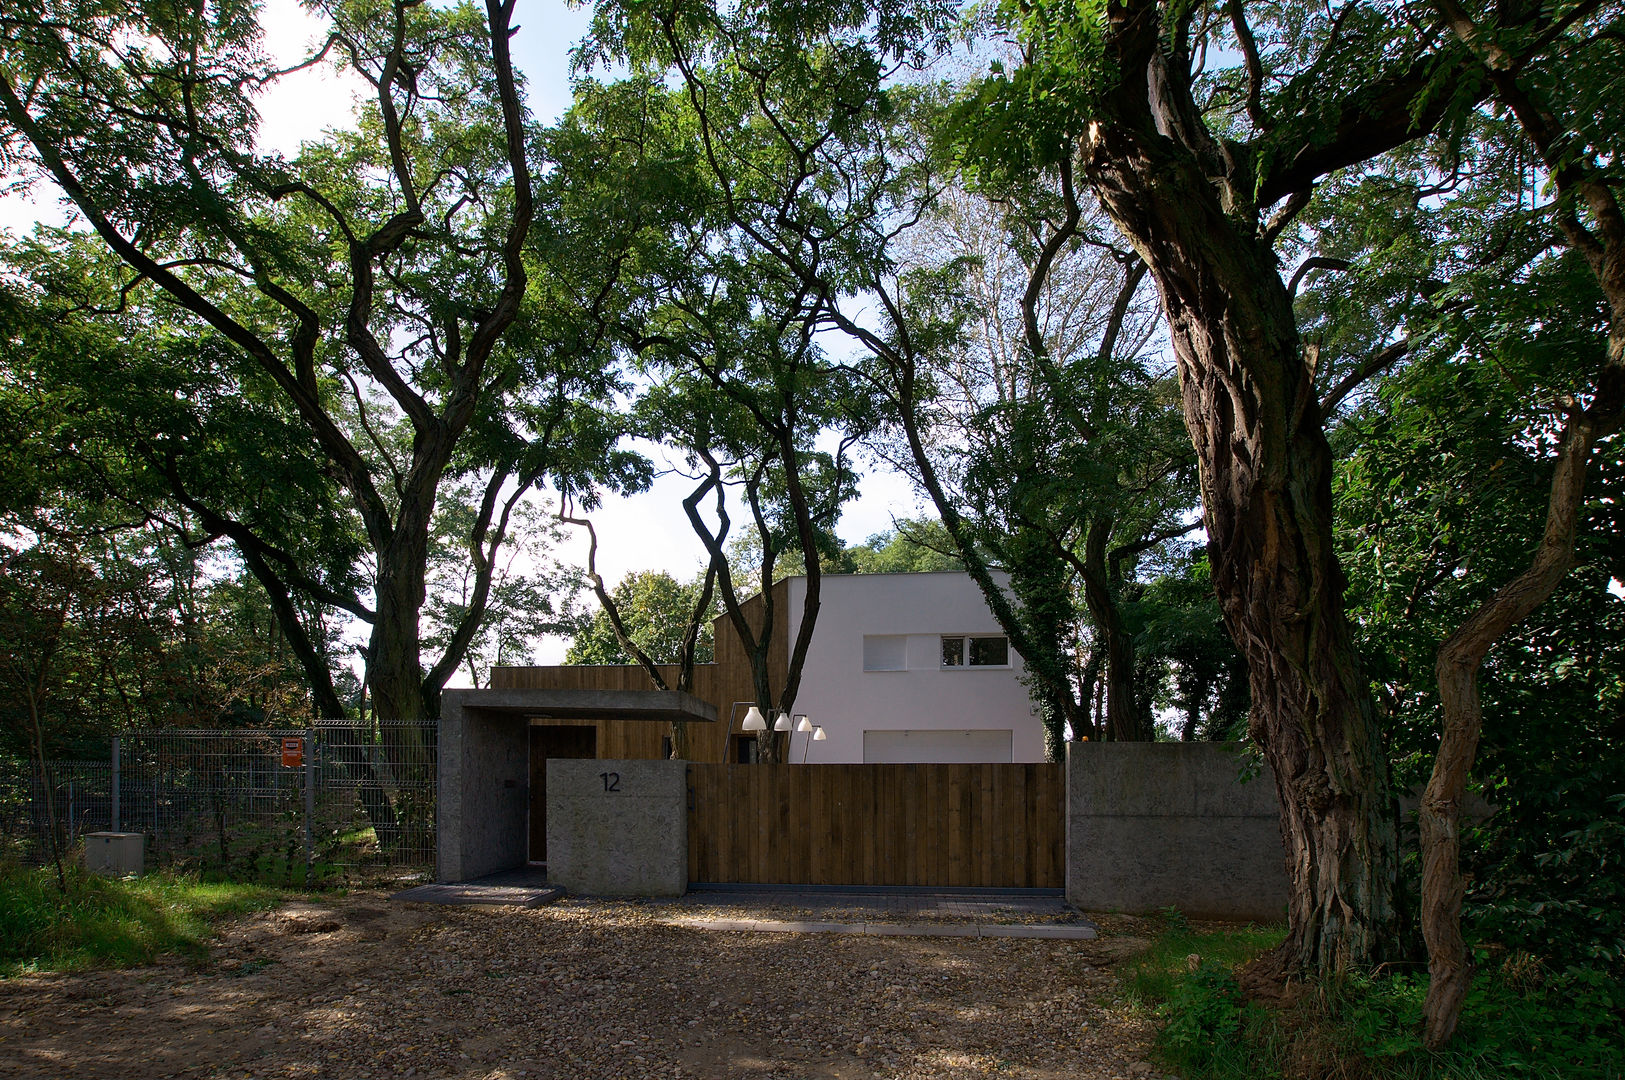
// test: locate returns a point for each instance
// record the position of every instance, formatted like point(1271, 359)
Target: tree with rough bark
point(1203, 168)
point(1556, 74)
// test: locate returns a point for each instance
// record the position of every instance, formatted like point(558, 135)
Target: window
point(885, 652)
point(965, 650)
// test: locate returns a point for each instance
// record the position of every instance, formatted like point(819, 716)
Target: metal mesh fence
point(80, 795)
point(323, 805)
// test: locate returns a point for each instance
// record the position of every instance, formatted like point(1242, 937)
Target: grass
point(1520, 1021)
point(102, 922)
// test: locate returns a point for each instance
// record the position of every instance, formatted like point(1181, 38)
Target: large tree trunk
point(1459, 660)
point(1265, 471)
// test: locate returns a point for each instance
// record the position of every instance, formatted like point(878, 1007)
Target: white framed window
point(885, 652)
point(975, 650)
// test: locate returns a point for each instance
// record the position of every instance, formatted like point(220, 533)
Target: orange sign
point(293, 753)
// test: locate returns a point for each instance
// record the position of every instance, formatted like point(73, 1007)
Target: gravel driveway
point(360, 987)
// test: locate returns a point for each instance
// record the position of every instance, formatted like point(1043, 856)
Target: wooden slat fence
point(948, 826)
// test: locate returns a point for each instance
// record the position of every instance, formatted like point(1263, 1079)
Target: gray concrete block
point(116, 854)
point(880, 929)
point(1079, 932)
point(618, 827)
point(1166, 780)
point(1155, 825)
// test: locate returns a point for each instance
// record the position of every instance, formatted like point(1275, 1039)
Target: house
point(901, 668)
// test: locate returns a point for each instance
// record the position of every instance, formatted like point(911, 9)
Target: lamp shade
point(753, 720)
point(803, 724)
point(782, 723)
point(818, 734)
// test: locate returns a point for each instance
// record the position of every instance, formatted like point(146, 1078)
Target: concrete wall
point(617, 827)
point(922, 695)
point(1154, 825)
point(483, 809)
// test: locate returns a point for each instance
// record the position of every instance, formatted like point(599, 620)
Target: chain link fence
point(324, 805)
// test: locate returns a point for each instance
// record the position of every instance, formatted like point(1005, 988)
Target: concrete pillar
point(482, 802)
point(617, 827)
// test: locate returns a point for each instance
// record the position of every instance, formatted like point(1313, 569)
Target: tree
point(1189, 163)
point(373, 291)
point(655, 611)
point(738, 382)
point(910, 546)
point(531, 594)
point(1053, 431)
point(45, 597)
point(1542, 72)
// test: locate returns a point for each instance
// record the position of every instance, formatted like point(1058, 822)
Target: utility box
point(115, 854)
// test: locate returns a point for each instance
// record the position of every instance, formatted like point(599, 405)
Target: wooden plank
point(1012, 816)
point(956, 827)
point(1058, 824)
point(915, 795)
point(852, 851)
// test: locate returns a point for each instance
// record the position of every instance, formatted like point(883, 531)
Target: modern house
point(901, 668)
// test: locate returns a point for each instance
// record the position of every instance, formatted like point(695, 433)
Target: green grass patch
point(1520, 1022)
point(101, 922)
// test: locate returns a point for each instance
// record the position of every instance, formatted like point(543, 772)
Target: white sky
point(646, 532)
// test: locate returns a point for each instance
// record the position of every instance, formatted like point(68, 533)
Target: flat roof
point(656, 705)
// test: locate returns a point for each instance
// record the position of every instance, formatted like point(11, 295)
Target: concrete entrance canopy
point(482, 810)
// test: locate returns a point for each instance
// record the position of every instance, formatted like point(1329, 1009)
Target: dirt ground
point(360, 988)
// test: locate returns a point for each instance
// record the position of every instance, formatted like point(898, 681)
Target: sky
point(644, 532)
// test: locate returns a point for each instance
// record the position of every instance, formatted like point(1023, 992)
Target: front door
point(554, 741)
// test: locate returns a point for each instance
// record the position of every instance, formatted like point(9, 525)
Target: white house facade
point(910, 668)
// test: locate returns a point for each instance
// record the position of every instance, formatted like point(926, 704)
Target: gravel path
point(361, 988)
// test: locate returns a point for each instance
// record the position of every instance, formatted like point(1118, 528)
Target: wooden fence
point(961, 826)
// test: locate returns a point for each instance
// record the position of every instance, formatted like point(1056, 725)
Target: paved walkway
point(924, 912)
point(1078, 931)
point(525, 888)
point(917, 912)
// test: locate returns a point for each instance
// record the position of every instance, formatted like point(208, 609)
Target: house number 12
point(612, 780)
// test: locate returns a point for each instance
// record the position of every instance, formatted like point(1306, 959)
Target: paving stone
point(1080, 932)
point(882, 929)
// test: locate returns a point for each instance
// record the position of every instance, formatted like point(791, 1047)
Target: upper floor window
point(885, 652)
point(973, 650)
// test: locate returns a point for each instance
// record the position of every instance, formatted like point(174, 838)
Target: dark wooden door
point(552, 742)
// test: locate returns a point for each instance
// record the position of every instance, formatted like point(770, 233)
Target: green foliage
point(1442, 492)
point(1204, 1008)
point(1518, 1022)
point(1180, 626)
point(914, 546)
point(655, 609)
point(111, 923)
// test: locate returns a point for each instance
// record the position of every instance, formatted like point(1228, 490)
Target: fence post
point(310, 804)
point(114, 813)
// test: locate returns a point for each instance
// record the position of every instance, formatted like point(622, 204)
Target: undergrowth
point(1520, 1021)
point(102, 922)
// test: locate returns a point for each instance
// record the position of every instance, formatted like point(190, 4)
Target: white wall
point(846, 700)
